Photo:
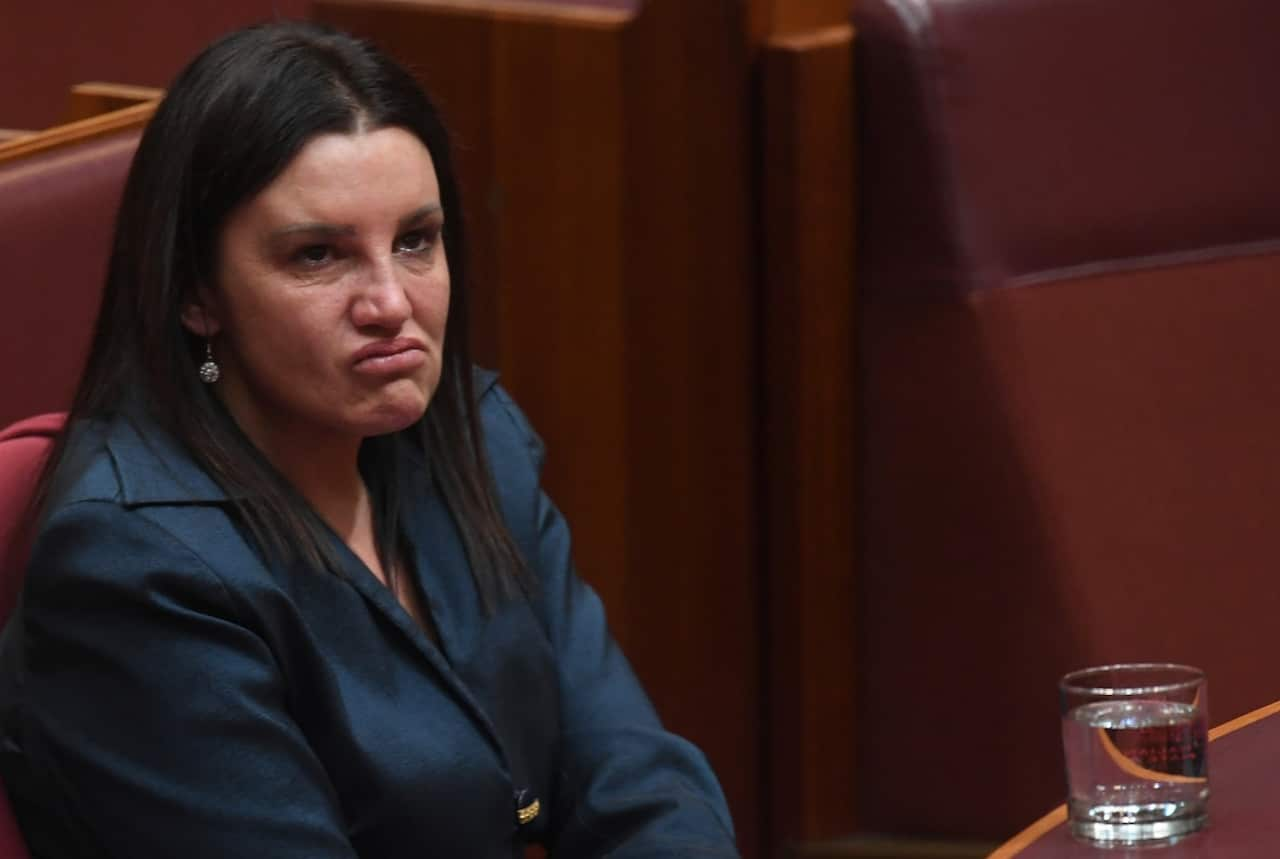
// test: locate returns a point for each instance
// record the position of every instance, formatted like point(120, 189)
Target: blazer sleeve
point(144, 718)
point(628, 789)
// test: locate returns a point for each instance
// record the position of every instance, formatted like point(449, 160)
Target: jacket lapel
point(382, 601)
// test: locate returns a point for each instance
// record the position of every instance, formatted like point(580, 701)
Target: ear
point(198, 316)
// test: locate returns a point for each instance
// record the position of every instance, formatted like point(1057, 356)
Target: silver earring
point(210, 372)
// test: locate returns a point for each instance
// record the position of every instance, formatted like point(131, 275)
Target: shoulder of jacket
point(510, 440)
point(130, 461)
point(87, 471)
point(103, 538)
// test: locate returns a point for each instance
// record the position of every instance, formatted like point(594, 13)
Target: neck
point(322, 468)
point(328, 477)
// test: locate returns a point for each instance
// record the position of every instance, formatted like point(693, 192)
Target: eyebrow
point(319, 228)
point(419, 215)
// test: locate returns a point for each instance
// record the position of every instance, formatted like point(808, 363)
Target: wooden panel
point(604, 156)
point(807, 222)
point(561, 329)
point(692, 589)
point(774, 19)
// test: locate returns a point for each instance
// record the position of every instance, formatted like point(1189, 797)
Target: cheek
point(434, 305)
point(277, 337)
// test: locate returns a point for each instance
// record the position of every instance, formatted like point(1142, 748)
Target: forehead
point(343, 178)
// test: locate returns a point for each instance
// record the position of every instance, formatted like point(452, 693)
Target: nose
point(381, 300)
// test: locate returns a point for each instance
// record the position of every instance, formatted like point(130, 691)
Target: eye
point(313, 255)
point(416, 241)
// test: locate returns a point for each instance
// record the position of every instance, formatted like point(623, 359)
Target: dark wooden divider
point(806, 177)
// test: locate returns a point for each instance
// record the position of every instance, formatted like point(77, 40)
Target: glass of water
point(1136, 742)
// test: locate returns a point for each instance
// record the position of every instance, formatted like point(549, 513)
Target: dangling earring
point(210, 372)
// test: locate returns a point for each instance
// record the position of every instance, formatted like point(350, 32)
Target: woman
point(296, 591)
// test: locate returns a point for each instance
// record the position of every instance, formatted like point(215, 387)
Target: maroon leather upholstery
point(1069, 264)
point(57, 215)
point(23, 449)
point(11, 843)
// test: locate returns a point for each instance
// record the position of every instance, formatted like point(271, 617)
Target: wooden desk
point(1244, 773)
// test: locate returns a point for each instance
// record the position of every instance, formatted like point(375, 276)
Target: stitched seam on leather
point(1119, 265)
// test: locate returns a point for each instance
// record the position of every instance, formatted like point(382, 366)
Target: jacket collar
point(152, 467)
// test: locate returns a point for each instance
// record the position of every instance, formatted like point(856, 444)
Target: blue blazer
point(164, 692)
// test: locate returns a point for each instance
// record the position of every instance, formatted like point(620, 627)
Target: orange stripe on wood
point(1028, 836)
point(75, 132)
point(1244, 721)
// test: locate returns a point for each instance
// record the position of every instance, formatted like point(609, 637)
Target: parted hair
point(229, 125)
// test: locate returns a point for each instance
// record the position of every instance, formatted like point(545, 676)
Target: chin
point(394, 415)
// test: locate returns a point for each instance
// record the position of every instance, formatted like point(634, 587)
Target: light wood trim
point(7, 134)
point(812, 40)
point(1026, 837)
point(81, 130)
point(531, 12)
point(1244, 721)
point(773, 19)
point(108, 89)
point(95, 97)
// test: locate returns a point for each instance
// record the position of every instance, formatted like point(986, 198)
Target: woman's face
point(332, 293)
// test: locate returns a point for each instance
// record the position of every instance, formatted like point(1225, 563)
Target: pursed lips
point(390, 356)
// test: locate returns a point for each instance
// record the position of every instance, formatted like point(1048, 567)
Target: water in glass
point(1137, 769)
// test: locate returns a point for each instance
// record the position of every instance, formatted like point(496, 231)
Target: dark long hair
point(231, 122)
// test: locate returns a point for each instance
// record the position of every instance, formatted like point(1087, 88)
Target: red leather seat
point(1069, 267)
point(57, 215)
point(11, 844)
point(24, 447)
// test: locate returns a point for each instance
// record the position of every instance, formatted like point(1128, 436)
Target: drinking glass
point(1136, 742)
